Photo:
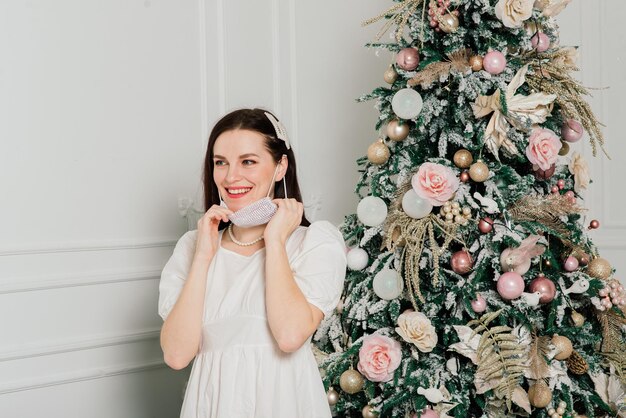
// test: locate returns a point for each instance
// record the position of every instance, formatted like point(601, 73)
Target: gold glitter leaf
point(551, 74)
point(457, 61)
point(539, 348)
point(501, 360)
point(546, 210)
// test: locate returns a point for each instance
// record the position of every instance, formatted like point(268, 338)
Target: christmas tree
point(473, 288)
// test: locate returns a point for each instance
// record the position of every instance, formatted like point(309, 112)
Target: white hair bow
point(281, 132)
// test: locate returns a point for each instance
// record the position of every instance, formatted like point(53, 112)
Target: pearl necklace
point(241, 244)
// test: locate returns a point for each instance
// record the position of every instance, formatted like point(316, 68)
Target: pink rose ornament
point(379, 357)
point(543, 148)
point(435, 183)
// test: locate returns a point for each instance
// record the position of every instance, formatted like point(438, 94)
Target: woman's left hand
point(285, 220)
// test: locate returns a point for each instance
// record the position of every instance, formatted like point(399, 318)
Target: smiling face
point(243, 168)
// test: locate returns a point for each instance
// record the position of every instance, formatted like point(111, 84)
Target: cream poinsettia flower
point(513, 13)
point(551, 8)
point(580, 169)
point(416, 328)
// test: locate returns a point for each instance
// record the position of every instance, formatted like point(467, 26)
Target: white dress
point(239, 371)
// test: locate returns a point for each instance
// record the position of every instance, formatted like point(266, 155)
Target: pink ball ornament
point(540, 42)
point(554, 189)
point(408, 59)
point(485, 225)
point(510, 285)
point(479, 305)
point(462, 262)
point(570, 194)
point(560, 184)
point(429, 413)
point(572, 130)
point(570, 264)
point(494, 62)
point(544, 286)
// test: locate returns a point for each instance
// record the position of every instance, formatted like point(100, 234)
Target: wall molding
point(79, 376)
point(221, 58)
point(75, 280)
point(69, 346)
point(202, 51)
point(96, 245)
point(293, 74)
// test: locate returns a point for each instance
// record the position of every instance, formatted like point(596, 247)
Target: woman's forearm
point(182, 330)
point(291, 318)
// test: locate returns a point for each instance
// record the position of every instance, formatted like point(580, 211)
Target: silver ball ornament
point(372, 211)
point(388, 284)
point(357, 258)
point(333, 397)
point(415, 206)
point(407, 103)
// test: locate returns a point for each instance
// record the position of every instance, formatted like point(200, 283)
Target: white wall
point(105, 110)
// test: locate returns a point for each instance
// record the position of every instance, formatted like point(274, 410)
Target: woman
point(244, 293)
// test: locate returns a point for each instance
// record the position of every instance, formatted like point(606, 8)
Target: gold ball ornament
point(333, 397)
point(563, 347)
point(479, 171)
point(476, 62)
point(463, 158)
point(378, 153)
point(448, 23)
point(599, 268)
point(351, 381)
point(564, 148)
point(397, 131)
point(539, 394)
point(390, 75)
point(577, 319)
point(368, 412)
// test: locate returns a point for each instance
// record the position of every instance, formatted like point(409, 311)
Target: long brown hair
point(251, 120)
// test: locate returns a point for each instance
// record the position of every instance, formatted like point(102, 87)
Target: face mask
point(256, 213)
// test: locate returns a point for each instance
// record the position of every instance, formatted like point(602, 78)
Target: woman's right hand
point(207, 241)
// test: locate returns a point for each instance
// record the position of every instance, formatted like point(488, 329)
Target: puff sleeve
point(175, 273)
point(320, 266)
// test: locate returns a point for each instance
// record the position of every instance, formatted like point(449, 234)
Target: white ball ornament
point(414, 206)
point(357, 259)
point(407, 103)
point(372, 211)
point(388, 284)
